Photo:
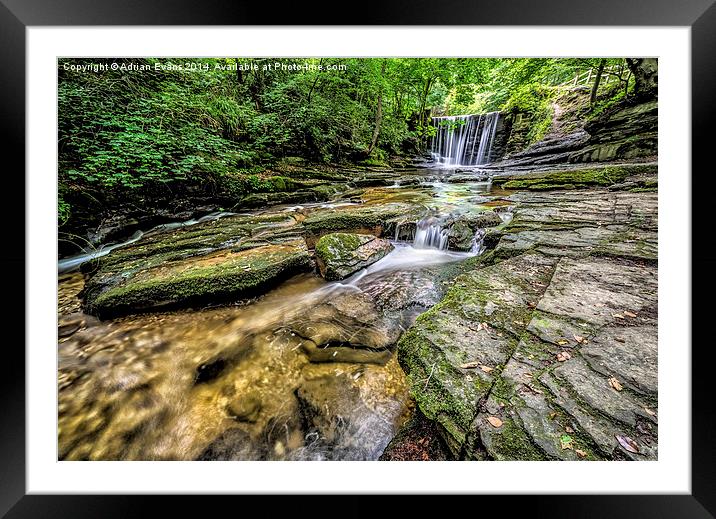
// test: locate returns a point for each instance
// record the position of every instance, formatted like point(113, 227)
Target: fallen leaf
point(566, 441)
point(618, 316)
point(630, 314)
point(518, 322)
point(580, 339)
point(569, 429)
point(562, 342)
point(628, 444)
point(494, 421)
point(552, 415)
point(615, 384)
point(486, 369)
point(563, 355)
point(482, 326)
point(580, 453)
point(470, 365)
point(619, 339)
point(649, 411)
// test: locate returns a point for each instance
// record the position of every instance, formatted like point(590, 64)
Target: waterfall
point(429, 234)
point(464, 140)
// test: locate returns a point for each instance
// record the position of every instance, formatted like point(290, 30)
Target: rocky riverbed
point(416, 314)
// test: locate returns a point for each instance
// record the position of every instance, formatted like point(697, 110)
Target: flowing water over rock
point(528, 336)
point(306, 372)
point(464, 140)
point(73, 262)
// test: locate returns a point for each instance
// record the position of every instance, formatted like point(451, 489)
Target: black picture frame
point(17, 15)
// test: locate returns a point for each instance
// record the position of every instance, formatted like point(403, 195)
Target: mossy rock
point(574, 178)
point(370, 218)
point(220, 276)
point(341, 254)
point(447, 346)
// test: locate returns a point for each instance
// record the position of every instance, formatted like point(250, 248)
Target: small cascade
point(464, 140)
point(478, 245)
point(430, 235)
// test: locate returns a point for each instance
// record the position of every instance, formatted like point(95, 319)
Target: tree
point(379, 112)
point(597, 79)
point(646, 75)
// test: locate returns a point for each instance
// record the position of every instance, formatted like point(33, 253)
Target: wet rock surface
point(544, 347)
point(548, 349)
point(341, 254)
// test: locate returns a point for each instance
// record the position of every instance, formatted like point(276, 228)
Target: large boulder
point(345, 326)
point(222, 275)
point(341, 254)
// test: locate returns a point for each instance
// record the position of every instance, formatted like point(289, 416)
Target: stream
point(247, 381)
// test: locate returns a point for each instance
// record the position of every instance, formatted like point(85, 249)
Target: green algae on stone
point(373, 218)
point(341, 254)
point(218, 276)
point(444, 350)
point(573, 178)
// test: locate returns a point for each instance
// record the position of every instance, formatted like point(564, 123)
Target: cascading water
point(464, 140)
point(429, 234)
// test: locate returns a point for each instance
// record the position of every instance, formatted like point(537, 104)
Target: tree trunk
point(378, 114)
point(315, 81)
point(421, 116)
point(597, 80)
point(646, 75)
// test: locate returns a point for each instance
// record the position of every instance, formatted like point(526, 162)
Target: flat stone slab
point(373, 219)
point(600, 175)
point(574, 373)
point(218, 276)
point(601, 313)
point(580, 223)
point(452, 358)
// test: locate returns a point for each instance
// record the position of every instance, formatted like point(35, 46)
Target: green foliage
point(63, 210)
point(535, 100)
point(118, 131)
point(613, 97)
point(130, 133)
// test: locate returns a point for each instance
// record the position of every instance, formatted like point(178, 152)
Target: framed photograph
point(449, 257)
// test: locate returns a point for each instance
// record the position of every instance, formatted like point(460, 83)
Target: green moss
point(574, 178)
point(351, 219)
point(241, 275)
point(428, 370)
point(334, 246)
point(326, 191)
point(511, 442)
